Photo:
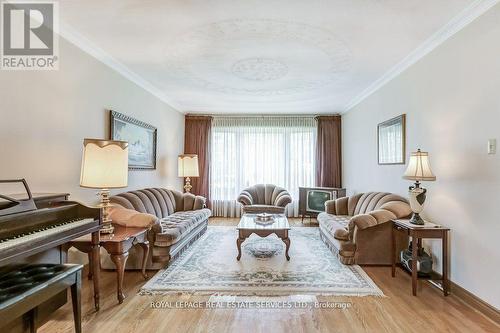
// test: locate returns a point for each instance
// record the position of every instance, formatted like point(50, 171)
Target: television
point(315, 200)
point(312, 199)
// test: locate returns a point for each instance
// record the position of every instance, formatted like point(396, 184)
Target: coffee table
point(248, 226)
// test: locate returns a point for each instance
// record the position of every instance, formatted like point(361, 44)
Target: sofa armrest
point(341, 206)
point(245, 198)
point(341, 234)
point(330, 207)
point(192, 202)
point(283, 199)
point(199, 202)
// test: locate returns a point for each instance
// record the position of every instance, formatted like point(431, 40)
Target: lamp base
point(416, 219)
point(417, 196)
point(188, 186)
point(107, 227)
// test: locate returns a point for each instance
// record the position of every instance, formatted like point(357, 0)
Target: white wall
point(44, 116)
point(452, 101)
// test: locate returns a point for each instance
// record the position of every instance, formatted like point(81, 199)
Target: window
point(252, 150)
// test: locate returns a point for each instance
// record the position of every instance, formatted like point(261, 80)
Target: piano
point(36, 235)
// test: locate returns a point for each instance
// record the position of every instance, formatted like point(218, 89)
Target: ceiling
point(256, 56)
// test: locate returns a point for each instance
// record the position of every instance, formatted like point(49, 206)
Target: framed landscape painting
point(141, 138)
point(392, 140)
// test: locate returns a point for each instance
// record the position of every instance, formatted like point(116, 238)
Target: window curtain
point(252, 150)
point(328, 152)
point(197, 135)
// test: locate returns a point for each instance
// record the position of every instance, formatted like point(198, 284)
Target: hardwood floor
point(399, 311)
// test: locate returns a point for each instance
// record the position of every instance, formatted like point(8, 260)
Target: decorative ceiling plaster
point(280, 56)
point(259, 69)
point(214, 57)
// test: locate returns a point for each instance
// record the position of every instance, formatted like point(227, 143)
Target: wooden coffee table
point(248, 226)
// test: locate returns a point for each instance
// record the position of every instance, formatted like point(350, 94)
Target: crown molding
point(466, 16)
point(83, 43)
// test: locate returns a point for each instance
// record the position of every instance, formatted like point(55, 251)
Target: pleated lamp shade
point(419, 167)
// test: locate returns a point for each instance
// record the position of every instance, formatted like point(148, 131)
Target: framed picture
point(141, 138)
point(392, 140)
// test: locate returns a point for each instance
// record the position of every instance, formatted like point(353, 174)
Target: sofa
point(264, 198)
point(358, 228)
point(178, 219)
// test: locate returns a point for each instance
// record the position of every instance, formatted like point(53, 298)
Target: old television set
point(315, 200)
point(312, 199)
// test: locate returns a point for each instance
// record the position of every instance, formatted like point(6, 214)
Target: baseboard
point(475, 302)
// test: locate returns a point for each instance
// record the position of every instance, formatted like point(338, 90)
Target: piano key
point(45, 232)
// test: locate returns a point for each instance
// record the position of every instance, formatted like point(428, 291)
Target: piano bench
point(26, 289)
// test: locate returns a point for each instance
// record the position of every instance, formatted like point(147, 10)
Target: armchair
point(264, 198)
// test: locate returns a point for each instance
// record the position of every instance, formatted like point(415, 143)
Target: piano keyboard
point(39, 234)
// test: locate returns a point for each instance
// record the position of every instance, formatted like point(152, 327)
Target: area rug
point(210, 267)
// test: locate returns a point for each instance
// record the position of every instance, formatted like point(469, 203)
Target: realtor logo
point(29, 35)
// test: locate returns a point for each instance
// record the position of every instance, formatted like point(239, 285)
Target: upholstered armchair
point(264, 198)
point(358, 228)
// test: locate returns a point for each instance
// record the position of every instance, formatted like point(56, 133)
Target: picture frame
point(142, 139)
point(391, 141)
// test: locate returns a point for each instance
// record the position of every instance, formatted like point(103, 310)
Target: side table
point(417, 233)
point(117, 245)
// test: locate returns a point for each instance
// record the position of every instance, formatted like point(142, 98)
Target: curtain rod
point(260, 115)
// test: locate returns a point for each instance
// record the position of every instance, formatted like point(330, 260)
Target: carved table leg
point(239, 241)
point(145, 249)
point(120, 260)
point(287, 243)
point(96, 263)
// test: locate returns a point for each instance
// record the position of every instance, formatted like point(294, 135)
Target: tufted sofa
point(181, 219)
point(264, 198)
point(358, 228)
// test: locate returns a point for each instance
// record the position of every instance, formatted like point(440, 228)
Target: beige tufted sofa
point(358, 228)
point(181, 218)
point(264, 198)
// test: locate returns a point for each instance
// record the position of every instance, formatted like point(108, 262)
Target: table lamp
point(188, 167)
point(104, 166)
point(419, 169)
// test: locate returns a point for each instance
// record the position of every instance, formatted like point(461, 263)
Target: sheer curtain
point(391, 142)
point(253, 150)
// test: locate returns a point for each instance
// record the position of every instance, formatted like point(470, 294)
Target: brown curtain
point(197, 132)
point(328, 152)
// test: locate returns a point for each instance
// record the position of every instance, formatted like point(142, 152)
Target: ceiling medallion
point(259, 69)
point(241, 57)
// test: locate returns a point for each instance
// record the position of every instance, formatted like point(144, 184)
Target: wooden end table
point(248, 226)
point(417, 233)
point(117, 245)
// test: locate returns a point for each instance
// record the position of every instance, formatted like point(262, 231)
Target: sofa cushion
point(131, 218)
point(330, 222)
point(174, 227)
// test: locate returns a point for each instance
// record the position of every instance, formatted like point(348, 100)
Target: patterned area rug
point(210, 267)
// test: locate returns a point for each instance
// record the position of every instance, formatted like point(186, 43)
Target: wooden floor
point(399, 311)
